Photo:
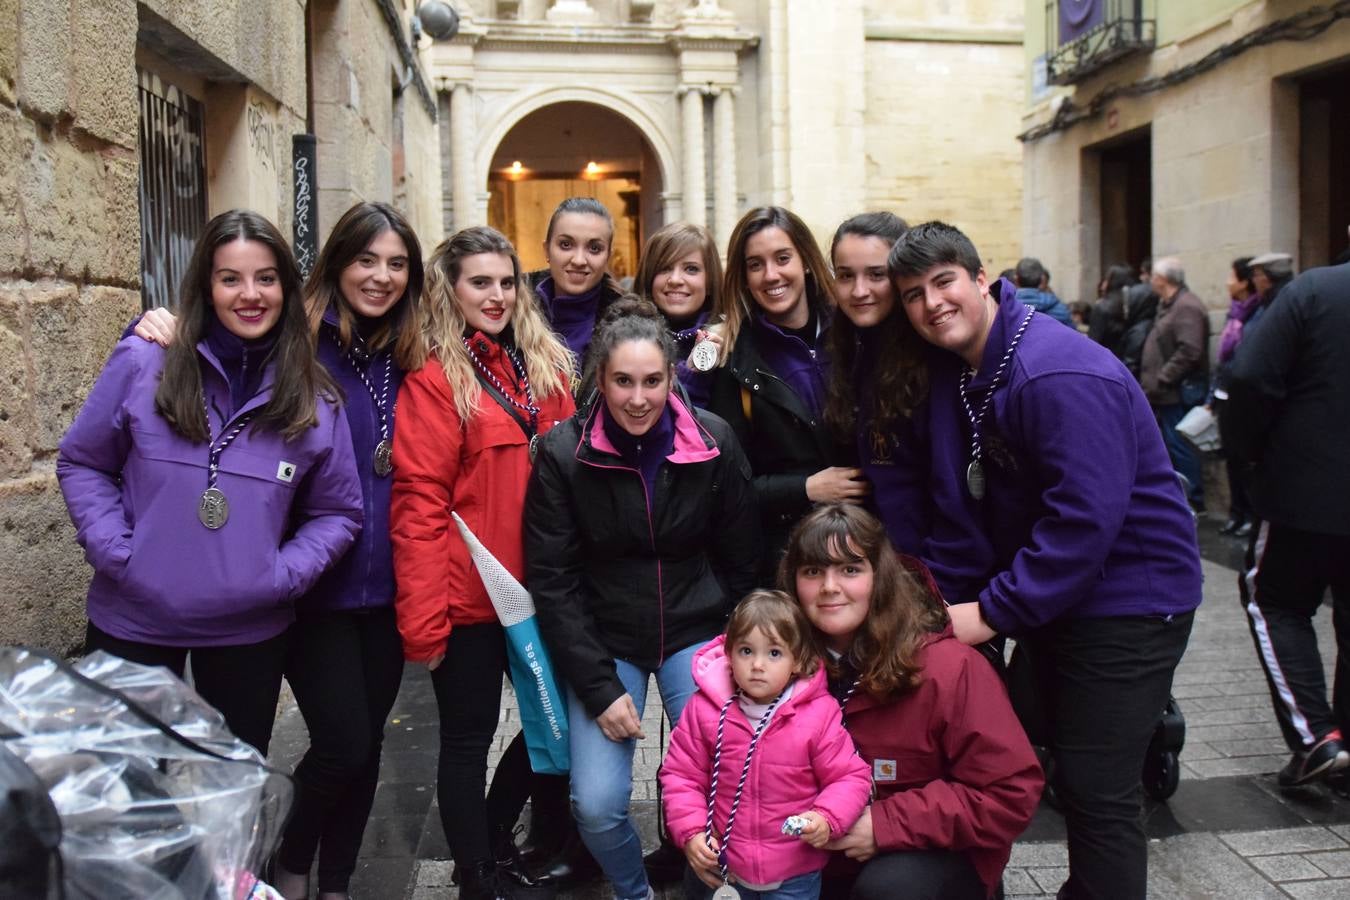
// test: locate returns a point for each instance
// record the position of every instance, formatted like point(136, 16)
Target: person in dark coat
point(776, 306)
point(641, 533)
point(1107, 321)
point(1287, 421)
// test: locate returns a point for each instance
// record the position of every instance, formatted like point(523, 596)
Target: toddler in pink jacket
point(762, 742)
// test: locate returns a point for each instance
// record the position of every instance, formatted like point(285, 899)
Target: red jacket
point(951, 764)
point(478, 469)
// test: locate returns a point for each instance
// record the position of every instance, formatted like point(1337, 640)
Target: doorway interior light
point(592, 169)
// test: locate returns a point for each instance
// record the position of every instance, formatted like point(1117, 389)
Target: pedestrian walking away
point(1285, 424)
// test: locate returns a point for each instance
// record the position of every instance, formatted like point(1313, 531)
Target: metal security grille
point(172, 186)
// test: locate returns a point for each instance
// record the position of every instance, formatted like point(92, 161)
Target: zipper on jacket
point(788, 388)
point(651, 533)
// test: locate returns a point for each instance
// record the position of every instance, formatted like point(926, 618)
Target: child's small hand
point(816, 831)
point(703, 859)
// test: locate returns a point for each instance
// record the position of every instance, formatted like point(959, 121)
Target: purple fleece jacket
point(1083, 516)
point(132, 486)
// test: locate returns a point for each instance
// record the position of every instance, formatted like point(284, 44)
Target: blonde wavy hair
point(548, 362)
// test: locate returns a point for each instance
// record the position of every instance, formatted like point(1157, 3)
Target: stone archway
point(569, 148)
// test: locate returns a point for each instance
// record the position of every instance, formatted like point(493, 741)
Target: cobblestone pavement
point(1227, 832)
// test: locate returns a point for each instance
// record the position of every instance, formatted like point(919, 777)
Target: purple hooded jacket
point(132, 486)
point(1083, 516)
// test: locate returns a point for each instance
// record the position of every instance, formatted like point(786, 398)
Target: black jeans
point(242, 681)
point(1103, 684)
point(1288, 572)
point(345, 669)
point(468, 685)
point(912, 874)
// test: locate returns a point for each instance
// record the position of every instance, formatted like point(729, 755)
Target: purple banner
point(1078, 17)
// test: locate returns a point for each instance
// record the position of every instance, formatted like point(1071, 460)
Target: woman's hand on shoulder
point(435, 661)
point(621, 720)
point(859, 842)
point(703, 859)
point(157, 326)
point(838, 483)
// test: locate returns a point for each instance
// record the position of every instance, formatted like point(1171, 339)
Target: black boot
point(483, 881)
point(510, 866)
point(571, 866)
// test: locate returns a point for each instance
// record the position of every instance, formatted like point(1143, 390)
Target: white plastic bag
point(1201, 428)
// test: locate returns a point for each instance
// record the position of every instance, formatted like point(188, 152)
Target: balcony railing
point(1086, 35)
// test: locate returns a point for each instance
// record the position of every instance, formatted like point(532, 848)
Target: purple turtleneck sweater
point(572, 318)
point(243, 360)
point(644, 452)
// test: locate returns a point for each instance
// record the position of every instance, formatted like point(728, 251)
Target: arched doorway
point(571, 149)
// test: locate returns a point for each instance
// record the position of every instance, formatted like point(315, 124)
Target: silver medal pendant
point(703, 358)
point(384, 458)
point(534, 446)
point(213, 510)
point(975, 479)
point(726, 892)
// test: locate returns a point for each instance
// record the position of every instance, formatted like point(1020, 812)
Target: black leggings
point(912, 874)
point(242, 681)
point(345, 669)
point(468, 685)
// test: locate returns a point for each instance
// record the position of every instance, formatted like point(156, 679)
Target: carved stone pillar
point(695, 175)
point(725, 205)
point(462, 142)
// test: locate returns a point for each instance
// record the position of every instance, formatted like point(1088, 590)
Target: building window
point(172, 185)
point(1084, 36)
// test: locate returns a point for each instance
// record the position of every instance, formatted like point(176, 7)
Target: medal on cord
point(726, 891)
point(213, 510)
point(529, 407)
point(383, 460)
point(975, 480)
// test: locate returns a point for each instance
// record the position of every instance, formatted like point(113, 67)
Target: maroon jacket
point(950, 762)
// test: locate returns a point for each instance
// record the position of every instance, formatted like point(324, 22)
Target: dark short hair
point(1029, 272)
point(932, 244)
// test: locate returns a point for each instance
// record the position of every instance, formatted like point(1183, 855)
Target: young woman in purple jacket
point(212, 482)
point(346, 656)
point(362, 303)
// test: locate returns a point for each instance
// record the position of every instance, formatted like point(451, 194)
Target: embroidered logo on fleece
point(285, 471)
point(883, 770)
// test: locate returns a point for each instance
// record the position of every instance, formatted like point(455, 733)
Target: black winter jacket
point(1288, 412)
point(784, 443)
point(611, 579)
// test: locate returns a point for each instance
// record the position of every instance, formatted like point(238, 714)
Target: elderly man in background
point(1174, 369)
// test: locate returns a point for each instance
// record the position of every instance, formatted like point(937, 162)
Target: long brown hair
point(547, 361)
point(735, 306)
point(293, 406)
point(900, 377)
point(352, 234)
point(902, 613)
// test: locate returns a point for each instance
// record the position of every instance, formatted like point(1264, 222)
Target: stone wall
point(69, 213)
point(68, 172)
